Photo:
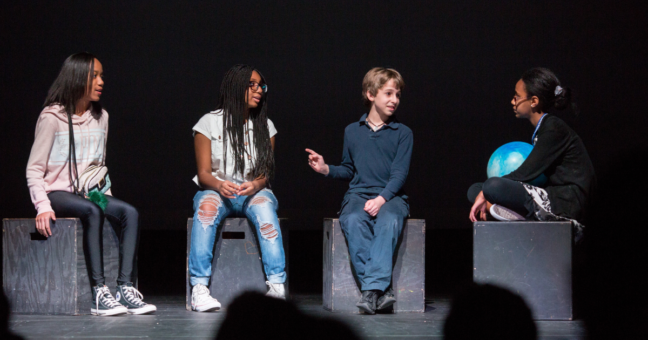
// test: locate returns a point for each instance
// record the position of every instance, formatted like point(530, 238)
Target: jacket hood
point(58, 111)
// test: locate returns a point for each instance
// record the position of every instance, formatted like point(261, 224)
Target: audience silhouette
point(5, 314)
point(255, 316)
point(489, 312)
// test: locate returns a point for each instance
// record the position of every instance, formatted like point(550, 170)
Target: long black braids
point(232, 100)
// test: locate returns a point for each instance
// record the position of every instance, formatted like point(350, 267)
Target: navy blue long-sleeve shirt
point(375, 161)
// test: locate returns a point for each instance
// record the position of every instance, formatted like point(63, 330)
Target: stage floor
point(172, 321)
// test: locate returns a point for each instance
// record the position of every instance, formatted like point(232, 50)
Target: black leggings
point(119, 213)
point(505, 192)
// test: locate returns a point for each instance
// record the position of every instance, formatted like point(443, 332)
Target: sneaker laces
point(201, 289)
point(133, 296)
point(103, 294)
point(201, 294)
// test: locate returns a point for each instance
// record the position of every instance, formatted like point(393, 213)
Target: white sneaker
point(276, 290)
point(201, 301)
point(505, 214)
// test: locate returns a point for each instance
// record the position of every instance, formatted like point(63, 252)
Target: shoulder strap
point(72, 157)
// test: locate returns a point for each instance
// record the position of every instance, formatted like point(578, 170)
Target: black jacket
point(560, 154)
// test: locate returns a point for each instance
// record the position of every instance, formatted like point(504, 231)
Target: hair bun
point(563, 97)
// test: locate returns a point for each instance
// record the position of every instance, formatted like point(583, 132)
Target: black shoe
point(367, 302)
point(104, 303)
point(131, 298)
point(386, 300)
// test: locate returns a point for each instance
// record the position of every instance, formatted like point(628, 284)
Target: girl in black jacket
point(558, 153)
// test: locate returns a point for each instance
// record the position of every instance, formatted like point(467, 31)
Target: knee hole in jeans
point(268, 231)
point(208, 209)
point(259, 200)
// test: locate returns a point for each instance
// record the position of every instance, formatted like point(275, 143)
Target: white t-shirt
point(211, 126)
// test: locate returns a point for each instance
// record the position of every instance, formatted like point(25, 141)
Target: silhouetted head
point(489, 312)
point(5, 313)
point(256, 316)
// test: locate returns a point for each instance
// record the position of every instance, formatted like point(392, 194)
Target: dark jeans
point(119, 213)
point(372, 240)
point(505, 192)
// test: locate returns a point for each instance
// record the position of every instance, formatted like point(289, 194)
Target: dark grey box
point(237, 265)
point(341, 290)
point(532, 259)
point(50, 276)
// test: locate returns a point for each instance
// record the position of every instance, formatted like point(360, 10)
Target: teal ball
point(508, 157)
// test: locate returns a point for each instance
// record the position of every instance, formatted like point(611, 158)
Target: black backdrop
point(164, 62)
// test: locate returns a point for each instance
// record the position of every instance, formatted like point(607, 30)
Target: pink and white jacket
point(47, 169)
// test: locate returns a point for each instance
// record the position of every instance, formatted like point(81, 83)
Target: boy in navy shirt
point(376, 158)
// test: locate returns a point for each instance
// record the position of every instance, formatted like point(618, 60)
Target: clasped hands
point(316, 162)
point(229, 189)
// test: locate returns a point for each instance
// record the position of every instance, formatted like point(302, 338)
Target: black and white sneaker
point(104, 303)
point(505, 214)
point(386, 300)
point(131, 298)
point(367, 302)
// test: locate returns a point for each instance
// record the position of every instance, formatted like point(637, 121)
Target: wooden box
point(50, 275)
point(532, 259)
point(341, 289)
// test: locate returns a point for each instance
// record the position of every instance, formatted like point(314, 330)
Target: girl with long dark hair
point(558, 153)
point(234, 153)
point(72, 113)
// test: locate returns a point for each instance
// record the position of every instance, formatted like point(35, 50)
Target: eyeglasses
point(255, 86)
point(519, 100)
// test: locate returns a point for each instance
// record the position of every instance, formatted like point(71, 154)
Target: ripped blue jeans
point(210, 208)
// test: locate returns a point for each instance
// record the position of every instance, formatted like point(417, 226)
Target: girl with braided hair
point(234, 153)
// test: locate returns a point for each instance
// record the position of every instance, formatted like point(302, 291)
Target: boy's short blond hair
point(376, 78)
